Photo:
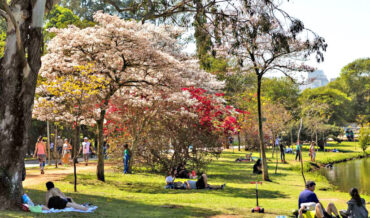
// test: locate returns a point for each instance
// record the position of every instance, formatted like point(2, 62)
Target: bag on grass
point(178, 185)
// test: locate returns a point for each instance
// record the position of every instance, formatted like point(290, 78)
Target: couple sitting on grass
point(310, 206)
point(201, 183)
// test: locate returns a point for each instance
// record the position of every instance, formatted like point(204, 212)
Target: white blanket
point(70, 209)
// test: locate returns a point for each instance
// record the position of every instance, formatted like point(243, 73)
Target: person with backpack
point(126, 158)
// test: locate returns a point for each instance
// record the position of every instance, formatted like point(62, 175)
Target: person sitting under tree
point(57, 200)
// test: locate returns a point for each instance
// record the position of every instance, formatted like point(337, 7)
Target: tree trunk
point(238, 141)
point(55, 152)
point(100, 151)
point(300, 150)
point(18, 77)
point(48, 145)
point(74, 154)
point(265, 173)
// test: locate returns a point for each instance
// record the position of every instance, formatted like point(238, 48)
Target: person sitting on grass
point(57, 200)
point(257, 167)
point(170, 179)
point(308, 196)
point(202, 183)
point(356, 206)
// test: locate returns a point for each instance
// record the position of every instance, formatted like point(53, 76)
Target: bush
point(364, 138)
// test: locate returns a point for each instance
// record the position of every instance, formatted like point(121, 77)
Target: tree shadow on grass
point(111, 207)
point(249, 193)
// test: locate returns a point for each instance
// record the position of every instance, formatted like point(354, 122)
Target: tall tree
point(264, 42)
point(18, 74)
point(354, 80)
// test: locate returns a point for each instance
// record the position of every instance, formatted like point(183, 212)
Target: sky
point(345, 25)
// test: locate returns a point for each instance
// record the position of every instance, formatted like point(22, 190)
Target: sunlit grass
point(143, 194)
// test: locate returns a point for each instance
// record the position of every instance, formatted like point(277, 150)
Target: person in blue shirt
point(309, 196)
point(126, 158)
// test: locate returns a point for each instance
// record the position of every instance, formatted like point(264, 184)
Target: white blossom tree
point(126, 54)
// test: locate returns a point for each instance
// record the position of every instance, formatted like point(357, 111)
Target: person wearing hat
point(87, 149)
point(308, 196)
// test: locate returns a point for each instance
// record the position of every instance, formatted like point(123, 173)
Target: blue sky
point(345, 25)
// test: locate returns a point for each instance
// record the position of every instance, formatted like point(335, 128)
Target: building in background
point(314, 80)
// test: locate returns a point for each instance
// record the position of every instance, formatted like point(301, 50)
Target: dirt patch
point(33, 176)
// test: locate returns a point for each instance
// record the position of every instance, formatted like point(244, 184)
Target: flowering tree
point(69, 99)
point(261, 43)
point(126, 54)
point(168, 123)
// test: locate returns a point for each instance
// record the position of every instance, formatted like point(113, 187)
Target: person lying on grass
point(308, 196)
point(57, 200)
point(202, 183)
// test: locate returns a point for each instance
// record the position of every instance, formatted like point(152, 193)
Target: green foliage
point(364, 138)
point(281, 90)
point(336, 101)
point(355, 82)
point(61, 17)
point(2, 43)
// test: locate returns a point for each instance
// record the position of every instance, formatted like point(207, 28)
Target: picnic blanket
point(69, 209)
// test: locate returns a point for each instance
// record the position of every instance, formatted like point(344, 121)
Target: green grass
point(143, 194)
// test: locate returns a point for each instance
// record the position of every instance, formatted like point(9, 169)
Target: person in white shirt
point(87, 149)
point(170, 179)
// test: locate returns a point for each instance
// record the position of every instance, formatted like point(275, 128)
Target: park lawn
point(143, 194)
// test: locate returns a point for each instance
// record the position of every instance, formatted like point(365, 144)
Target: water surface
point(346, 175)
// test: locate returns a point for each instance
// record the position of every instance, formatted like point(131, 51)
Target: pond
point(346, 175)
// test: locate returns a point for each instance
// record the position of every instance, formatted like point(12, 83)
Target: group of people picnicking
point(64, 150)
point(310, 206)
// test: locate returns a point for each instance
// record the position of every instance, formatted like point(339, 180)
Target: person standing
point(87, 149)
point(298, 151)
point(59, 150)
point(126, 158)
point(312, 152)
point(40, 151)
point(282, 152)
point(66, 152)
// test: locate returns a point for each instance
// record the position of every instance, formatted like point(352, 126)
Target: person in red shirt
point(40, 151)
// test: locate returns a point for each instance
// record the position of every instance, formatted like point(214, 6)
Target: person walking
point(40, 151)
point(66, 152)
point(126, 158)
point(87, 149)
point(298, 151)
